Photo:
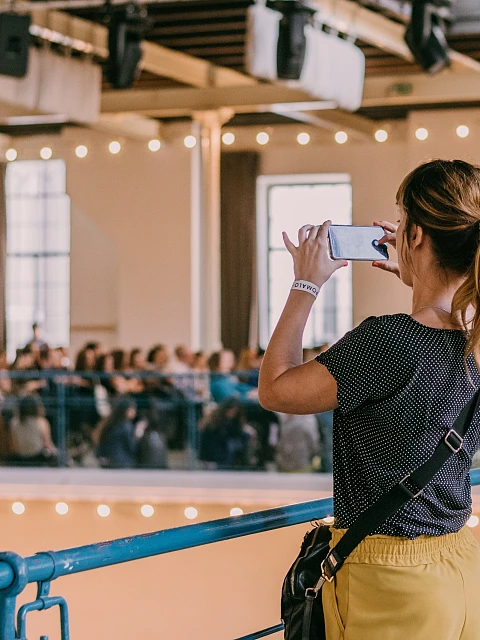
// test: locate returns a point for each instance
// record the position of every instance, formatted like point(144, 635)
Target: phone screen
point(357, 243)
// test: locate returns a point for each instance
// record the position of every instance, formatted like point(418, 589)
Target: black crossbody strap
point(407, 489)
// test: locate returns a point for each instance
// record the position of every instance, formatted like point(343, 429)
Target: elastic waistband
point(390, 550)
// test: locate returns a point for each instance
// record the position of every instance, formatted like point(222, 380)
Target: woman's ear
point(417, 236)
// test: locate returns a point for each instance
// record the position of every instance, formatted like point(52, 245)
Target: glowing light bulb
point(46, 153)
point(114, 147)
point(147, 511)
point(473, 521)
point(61, 508)
point(81, 151)
point(228, 138)
point(341, 137)
point(190, 513)
point(236, 511)
point(18, 508)
point(263, 138)
point(154, 145)
point(381, 135)
point(190, 142)
point(11, 155)
point(421, 133)
point(462, 131)
point(303, 138)
point(103, 510)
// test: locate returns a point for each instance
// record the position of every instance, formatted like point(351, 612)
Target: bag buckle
point(412, 494)
point(453, 441)
point(327, 567)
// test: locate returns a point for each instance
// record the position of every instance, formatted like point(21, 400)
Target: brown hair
point(443, 198)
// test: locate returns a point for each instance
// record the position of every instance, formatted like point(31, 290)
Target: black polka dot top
point(401, 385)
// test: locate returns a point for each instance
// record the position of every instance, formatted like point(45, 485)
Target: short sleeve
point(367, 363)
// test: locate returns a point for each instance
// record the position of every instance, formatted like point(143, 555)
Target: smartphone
point(348, 242)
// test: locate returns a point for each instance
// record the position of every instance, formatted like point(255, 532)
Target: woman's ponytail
point(466, 307)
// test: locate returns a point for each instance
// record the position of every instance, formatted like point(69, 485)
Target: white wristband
point(305, 285)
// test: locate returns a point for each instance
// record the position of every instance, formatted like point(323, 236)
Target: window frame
point(35, 257)
point(264, 184)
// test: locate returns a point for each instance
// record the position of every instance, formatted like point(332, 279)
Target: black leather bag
point(301, 604)
point(302, 575)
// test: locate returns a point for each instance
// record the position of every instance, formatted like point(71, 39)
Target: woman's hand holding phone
point(389, 238)
point(311, 261)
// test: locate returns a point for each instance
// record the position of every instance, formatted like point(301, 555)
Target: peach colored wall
point(215, 592)
point(141, 202)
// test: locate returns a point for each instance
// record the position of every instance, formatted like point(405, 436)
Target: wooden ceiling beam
point(158, 60)
point(373, 28)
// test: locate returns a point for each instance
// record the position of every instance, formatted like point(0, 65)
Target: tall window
point(285, 203)
point(38, 252)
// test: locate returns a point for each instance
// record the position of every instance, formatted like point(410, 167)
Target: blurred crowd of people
point(125, 409)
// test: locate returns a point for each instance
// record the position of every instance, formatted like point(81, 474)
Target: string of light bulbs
point(228, 139)
point(104, 510)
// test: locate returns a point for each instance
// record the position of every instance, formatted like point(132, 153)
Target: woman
point(226, 440)
point(30, 434)
point(223, 384)
point(117, 443)
point(114, 384)
point(397, 383)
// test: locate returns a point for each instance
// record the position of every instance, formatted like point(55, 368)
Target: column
point(205, 230)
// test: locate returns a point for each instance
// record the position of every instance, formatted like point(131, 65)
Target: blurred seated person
point(117, 444)
point(226, 440)
point(158, 358)
point(200, 361)
point(5, 382)
point(25, 361)
point(30, 434)
point(114, 384)
point(152, 451)
point(201, 375)
point(298, 446)
point(121, 363)
point(96, 347)
point(157, 361)
point(137, 360)
point(182, 360)
point(249, 365)
point(223, 384)
point(180, 366)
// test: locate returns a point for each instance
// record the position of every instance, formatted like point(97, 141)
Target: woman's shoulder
point(393, 327)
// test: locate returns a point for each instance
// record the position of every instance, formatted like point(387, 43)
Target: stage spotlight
point(126, 31)
point(292, 42)
point(425, 35)
point(14, 44)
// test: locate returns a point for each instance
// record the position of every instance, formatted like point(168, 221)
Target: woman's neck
point(432, 301)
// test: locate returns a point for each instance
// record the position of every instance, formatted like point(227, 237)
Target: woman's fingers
point(291, 248)
point(303, 232)
point(388, 265)
point(388, 226)
point(388, 238)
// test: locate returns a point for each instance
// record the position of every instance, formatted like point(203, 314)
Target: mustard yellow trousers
point(399, 589)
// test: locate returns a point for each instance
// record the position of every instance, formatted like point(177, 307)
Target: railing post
point(8, 596)
point(61, 422)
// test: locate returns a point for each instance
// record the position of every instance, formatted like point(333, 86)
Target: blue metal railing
point(16, 572)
